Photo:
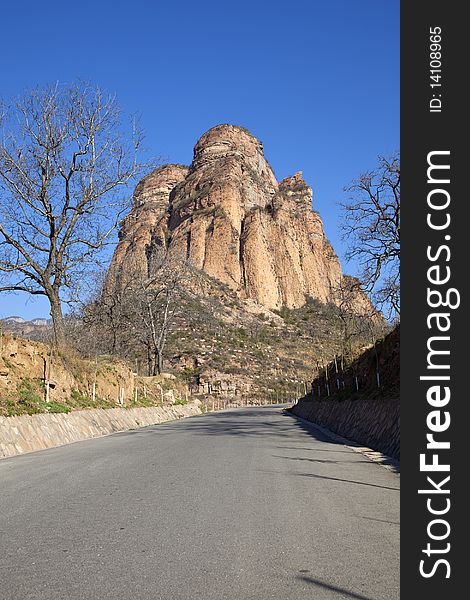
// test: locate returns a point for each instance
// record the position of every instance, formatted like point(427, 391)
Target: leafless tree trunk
point(63, 163)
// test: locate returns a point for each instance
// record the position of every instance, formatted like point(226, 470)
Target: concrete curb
point(29, 433)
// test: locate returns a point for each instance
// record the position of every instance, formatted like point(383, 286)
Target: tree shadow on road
point(311, 449)
point(314, 475)
point(333, 588)
point(323, 460)
point(381, 520)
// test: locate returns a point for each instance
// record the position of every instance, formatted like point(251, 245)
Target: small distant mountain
point(41, 322)
point(14, 319)
point(21, 321)
point(35, 329)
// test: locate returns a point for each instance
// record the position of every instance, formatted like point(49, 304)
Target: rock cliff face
point(229, 217)
point(144, 231)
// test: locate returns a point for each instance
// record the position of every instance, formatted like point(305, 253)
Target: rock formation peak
point(158, 184)
point(229, 217)
point(225, 140)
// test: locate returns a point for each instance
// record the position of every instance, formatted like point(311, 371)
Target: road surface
point(243, 504)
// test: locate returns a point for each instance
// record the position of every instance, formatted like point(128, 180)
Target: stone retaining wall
point(371, 422)
point(27, 433)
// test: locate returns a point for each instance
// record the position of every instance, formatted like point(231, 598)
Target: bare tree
point(65, 162)
point(371, 224)
point(155, 298)
point(350, 324)
point(103, 325)
point(359, 321)
point(136, 317)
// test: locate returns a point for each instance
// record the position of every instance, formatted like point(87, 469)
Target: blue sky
point(317, 81)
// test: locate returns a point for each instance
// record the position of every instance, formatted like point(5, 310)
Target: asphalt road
point(243, 504)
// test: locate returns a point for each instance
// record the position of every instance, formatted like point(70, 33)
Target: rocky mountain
point(264, 298)
point(39, 322)
point(36, 329)
point(230, 218)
